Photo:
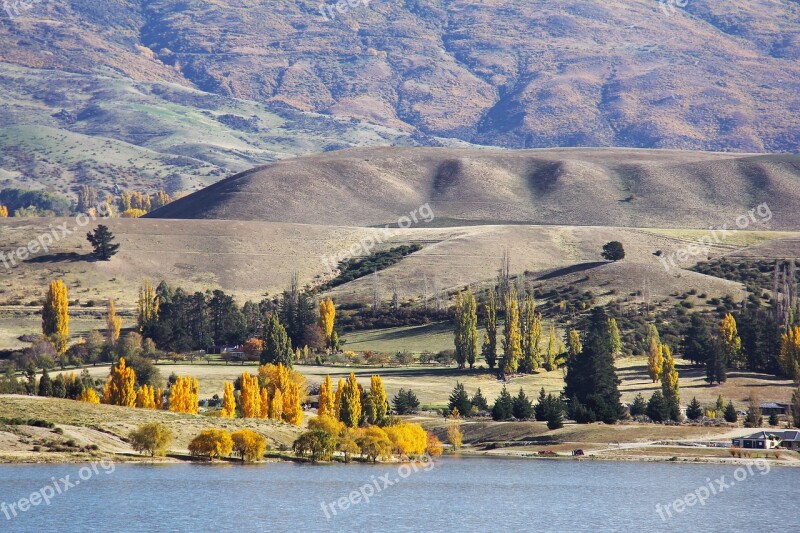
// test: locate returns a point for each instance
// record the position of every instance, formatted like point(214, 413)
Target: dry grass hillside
point(596, 187)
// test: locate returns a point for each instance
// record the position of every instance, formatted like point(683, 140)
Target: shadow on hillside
point(61, 257)
point(571, 270)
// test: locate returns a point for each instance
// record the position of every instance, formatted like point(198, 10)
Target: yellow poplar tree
point(790, 353)
point(263, 410)
point(327, 400)
point(275, 411)
point(145, 398)
point(158, 398)
point(730, 342)
point(147, 305)
point(89, 396)
point(113, 323)
point(228, 402)
point(512, 340)
point(55, 315)
point(292, 404)
point(337, 399)
point(655, 360)
point(184, 395)
point(454, 434)
point(669, 379)
point(327, 316)
point(350, 410)
point(377, 396)
point(292, 387)
point(3, 211)
point(249, 397)
point(120, 385)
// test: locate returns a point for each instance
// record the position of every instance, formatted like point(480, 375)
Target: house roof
point(773, 405)
point(791, 435)
point(765, 435)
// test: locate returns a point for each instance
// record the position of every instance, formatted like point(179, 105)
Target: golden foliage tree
point(327, 400)
point(512, 348)
point(435, 447)
point(790, 353)
point(89, 395)
point(263, 411)
point(153, 438)
point(669, 381)
point(655, 357)
point(3, 211)
point(120, 385)
point(275, 410)
point(145, 397)
point(211, 443)
point(158, 398)
point(252, 349)
point(531, 331)
point(327, 316)
point(249, 445)
point(228, 402)
point(292, 387)
point(350, 409)
point(616, 337)
point(454, 434)
point(184, 395)
point(730, 342)
point(374, 443)
point(407, 439)
point(249, 396)
point(55, 315)
point(147, 305)
point(113, 323)
point(337, 399)
point(377, 396)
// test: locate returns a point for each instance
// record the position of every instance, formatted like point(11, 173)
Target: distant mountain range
point(181, 93)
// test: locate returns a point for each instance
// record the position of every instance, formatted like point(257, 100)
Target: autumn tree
point(211, 443)
point(249, 445)
point(184, 396)
point(616, 338)
point(317, 444)
point(465, 330)
point(655, 357)
point(153, 438)
point(408, 440)
point(327, 399)
point(55, 315)
point(253, 349)
point(228, 402)
point(790, 353)
point(101, 240)
point(249, 396)
point(374, 443)
point(730, 342)
point(574, 346)
point(287, 389)
point(489, 349)
point(512, 349)
point(3, 211)
point(377, 397)
point(554, 349)
point(669, 383)
point(120, 385)
point(350, 408)
point(327, 316)
point(531, 331)
point(113, 323)
point(454, 434)
point(147, 305)
point(435, 447)
point(89, 395)
point(145, 397)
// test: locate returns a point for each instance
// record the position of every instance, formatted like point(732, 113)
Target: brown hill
point(597, 187)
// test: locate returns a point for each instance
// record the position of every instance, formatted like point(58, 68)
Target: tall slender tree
point(466, 329)
point(531, 331)
point(512, 348)
point(55, 315)
point(490, 339)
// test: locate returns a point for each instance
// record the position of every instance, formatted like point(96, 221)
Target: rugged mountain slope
point(714, 75)
point(599, 187)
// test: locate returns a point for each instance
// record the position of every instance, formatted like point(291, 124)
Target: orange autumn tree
point(293, 390)
point(3, 211)
point(249, 396)
point(327, 399)
point(184, 395)
point(120, 385)
point(89, 395)
point(145, 398)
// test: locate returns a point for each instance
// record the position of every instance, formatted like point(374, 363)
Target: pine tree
point(460, 400)
point(639, 405)
point(277, 344)
point(591, 379)
point(405, 402)
point(490, 339)
point(55, 315)
point(503, 406)
point(228, 402)
point(541, 406)
point(512, 349)
point(657, 408)
point(694, 411)
point(45, 384)
point(716, 363)
point(730, 413)
point(101, 241)
point(522, 407)
point(479, 401)
point(697, 342)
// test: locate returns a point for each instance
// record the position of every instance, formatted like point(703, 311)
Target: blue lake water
point(470, 494)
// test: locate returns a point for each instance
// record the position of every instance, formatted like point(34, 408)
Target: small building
point(772, 408)
point(769, 440)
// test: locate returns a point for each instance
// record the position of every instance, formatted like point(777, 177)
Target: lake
point(456, 494)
